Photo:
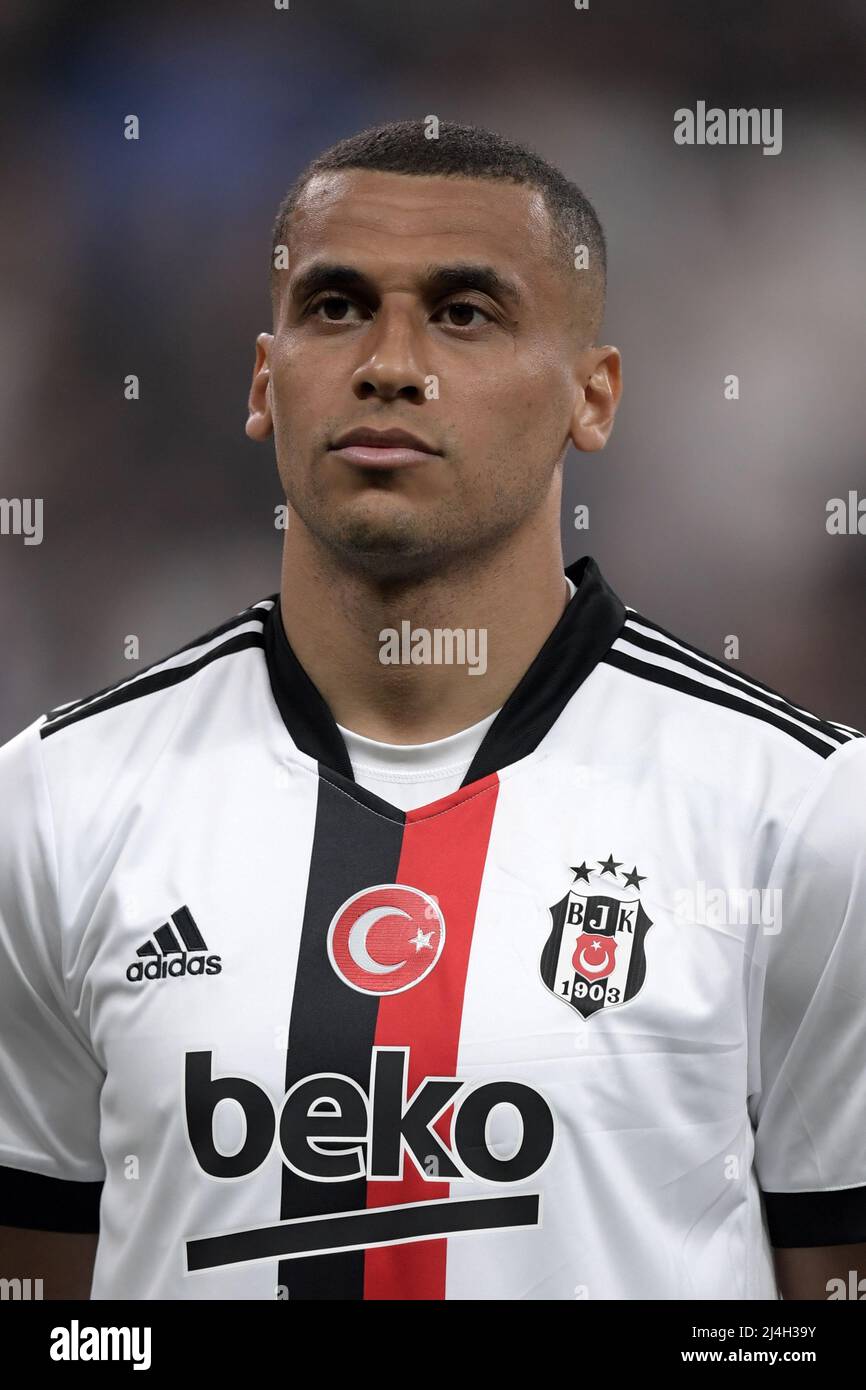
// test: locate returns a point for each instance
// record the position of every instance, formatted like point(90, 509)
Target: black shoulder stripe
point(800, 1219)
point(31, 1201)
point(160, 680)
point(634, 616)
point(662, 676)
point(718, 672)
point(251, 614)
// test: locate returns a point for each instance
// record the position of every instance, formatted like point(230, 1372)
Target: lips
point(392, 448)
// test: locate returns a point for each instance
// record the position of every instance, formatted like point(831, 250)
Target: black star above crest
point(582, 872)
point(634, 879)
point(610, 865)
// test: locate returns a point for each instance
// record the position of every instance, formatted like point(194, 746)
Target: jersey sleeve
point(51, 1168)
point(809, 1109)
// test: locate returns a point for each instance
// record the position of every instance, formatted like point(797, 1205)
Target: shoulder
point(74, 753)
point(731, 756)
point(688, 683)
point(148, 693)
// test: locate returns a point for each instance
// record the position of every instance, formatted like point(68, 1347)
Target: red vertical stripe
point(444, 856)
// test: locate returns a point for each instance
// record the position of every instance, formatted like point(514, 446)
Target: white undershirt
point(409, 775)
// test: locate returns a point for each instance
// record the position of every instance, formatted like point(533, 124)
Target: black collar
point(587, 629)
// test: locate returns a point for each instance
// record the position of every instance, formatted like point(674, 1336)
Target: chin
point(368, 531)
point(385, 554)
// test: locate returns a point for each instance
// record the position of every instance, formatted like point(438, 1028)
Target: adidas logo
point(178, 951)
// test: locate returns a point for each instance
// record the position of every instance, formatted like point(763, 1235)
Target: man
point(332, 970)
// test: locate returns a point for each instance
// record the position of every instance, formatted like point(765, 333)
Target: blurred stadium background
point(152, 257)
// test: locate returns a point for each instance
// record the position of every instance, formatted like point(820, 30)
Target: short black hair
point(465, 151)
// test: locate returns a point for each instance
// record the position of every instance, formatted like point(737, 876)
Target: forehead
point(409, 219)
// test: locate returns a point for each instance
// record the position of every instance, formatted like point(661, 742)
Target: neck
point(502, 609)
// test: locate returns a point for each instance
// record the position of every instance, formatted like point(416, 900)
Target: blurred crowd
point(151, 257)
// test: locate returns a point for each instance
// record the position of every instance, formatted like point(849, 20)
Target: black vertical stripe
point(333, 1027)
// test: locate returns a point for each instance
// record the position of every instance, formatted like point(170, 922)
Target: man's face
point(435, 306)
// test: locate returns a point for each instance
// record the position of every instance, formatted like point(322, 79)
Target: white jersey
point(590, 1026)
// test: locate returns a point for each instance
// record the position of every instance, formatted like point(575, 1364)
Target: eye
point(459, 314)
point(337, 308)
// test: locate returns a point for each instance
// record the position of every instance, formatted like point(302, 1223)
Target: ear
point(598, 398)
point(260, 424)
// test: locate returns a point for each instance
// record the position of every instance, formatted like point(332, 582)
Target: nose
point(392, 368)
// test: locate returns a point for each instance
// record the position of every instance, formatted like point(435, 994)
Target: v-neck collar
point(588, 627)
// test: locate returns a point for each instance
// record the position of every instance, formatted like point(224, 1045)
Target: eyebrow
point(436, 282)
point(447, 279)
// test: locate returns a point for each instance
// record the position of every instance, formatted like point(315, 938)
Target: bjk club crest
point(594, 957)
point(385, 939)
